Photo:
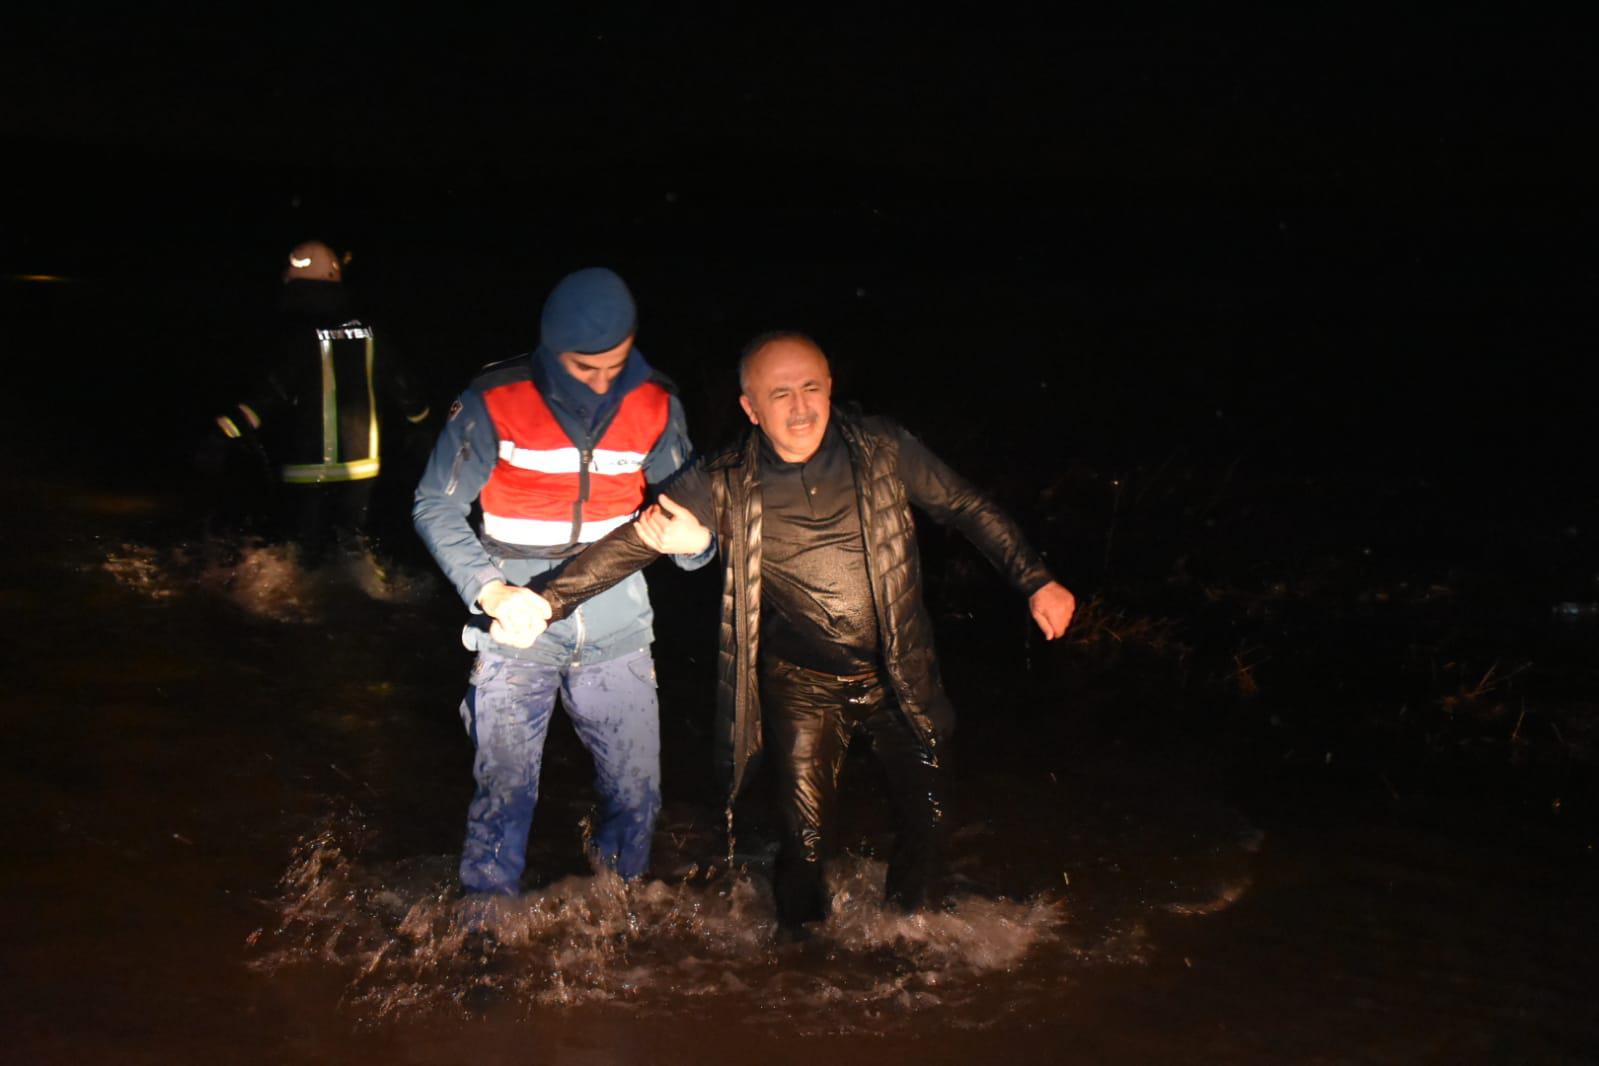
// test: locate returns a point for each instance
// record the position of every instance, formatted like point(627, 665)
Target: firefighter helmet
point(313, 261)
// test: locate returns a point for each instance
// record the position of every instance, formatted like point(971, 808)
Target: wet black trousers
point(809, 720)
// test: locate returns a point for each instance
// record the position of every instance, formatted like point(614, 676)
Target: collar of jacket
point(562, 392)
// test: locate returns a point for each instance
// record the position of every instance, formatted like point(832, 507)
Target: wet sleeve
point(691, 487)
point(241, 421)
point(601, 565)
point(263, 399)
point(665, 469)
point(456, 472)
point(621, 552)
point(672, 450)
point(953, 501)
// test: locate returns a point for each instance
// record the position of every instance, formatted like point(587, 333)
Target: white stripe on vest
point(566, 460)
point(539, 532)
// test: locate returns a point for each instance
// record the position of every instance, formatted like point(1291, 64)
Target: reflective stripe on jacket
point(349, 432)
point(547, 490)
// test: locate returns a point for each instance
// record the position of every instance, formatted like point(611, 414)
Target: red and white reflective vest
point(546, 491)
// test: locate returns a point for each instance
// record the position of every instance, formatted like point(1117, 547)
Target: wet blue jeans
point(507, 712)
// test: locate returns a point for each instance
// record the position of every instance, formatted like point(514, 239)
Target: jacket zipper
point(585, 457)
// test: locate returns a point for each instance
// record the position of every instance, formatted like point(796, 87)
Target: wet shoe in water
point(935, 895)
point(799, 933)
point(480, 945)
point(476, 912)
point(483, 997)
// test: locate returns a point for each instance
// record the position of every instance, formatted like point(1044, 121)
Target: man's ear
point(749, 409)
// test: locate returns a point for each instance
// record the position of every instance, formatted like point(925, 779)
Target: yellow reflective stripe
point(316, 473)
point(228, 427)
point(423, 417)
point(371, 402)
point(250, 416)
point(330, 403)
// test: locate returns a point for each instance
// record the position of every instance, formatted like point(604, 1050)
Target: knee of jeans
point(638, 792)
point(506, 769)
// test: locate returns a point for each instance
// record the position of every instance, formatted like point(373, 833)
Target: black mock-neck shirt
point(816, 599)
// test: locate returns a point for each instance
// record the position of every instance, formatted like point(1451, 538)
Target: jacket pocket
point(461, 455)
point(643, 667)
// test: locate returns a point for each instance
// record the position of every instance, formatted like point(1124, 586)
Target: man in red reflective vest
point(558, 447)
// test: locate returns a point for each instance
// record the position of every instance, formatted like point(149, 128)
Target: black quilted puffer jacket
point(889, 484)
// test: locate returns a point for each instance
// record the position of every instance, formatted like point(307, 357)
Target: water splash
point(267, 581)
point(264, 580)
point(1225, 896)
point(140, 568)
point(383, 581)
point(408, 943)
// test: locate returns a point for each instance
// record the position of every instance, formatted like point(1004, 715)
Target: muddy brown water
point(234, 791)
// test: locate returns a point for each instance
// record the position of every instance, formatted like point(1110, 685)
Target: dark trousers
point(329, 516)
point(809, 719)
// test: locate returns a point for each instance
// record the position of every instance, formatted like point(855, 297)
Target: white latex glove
point(519, 614)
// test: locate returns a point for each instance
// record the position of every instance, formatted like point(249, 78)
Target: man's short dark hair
point(761, 340)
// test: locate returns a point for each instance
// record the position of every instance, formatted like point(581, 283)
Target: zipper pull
point(587, 458)
point(461, 456)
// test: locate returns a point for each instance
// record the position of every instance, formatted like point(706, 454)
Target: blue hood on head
point(577, 407)
point(587, 311)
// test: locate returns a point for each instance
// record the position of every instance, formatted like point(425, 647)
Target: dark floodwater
point(234, 793)
point(1240, 817)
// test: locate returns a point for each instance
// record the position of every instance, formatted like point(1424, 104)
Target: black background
point(1357, 237)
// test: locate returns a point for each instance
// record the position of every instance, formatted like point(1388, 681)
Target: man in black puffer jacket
point(824, 633)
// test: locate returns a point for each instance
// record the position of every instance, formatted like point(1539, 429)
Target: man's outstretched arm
point(954, 501)
point(601, 565)
point(666, 527)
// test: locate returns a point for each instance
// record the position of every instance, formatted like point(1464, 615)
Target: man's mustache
point(801, 421)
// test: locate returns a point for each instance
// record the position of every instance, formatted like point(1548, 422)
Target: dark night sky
point(1296, 107)
point(1425, 178)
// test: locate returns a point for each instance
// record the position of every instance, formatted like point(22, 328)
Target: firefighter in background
point(314, 415)
point(558, 447)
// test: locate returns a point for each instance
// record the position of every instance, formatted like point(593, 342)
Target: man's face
point(787, 389)
point(598, 369)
